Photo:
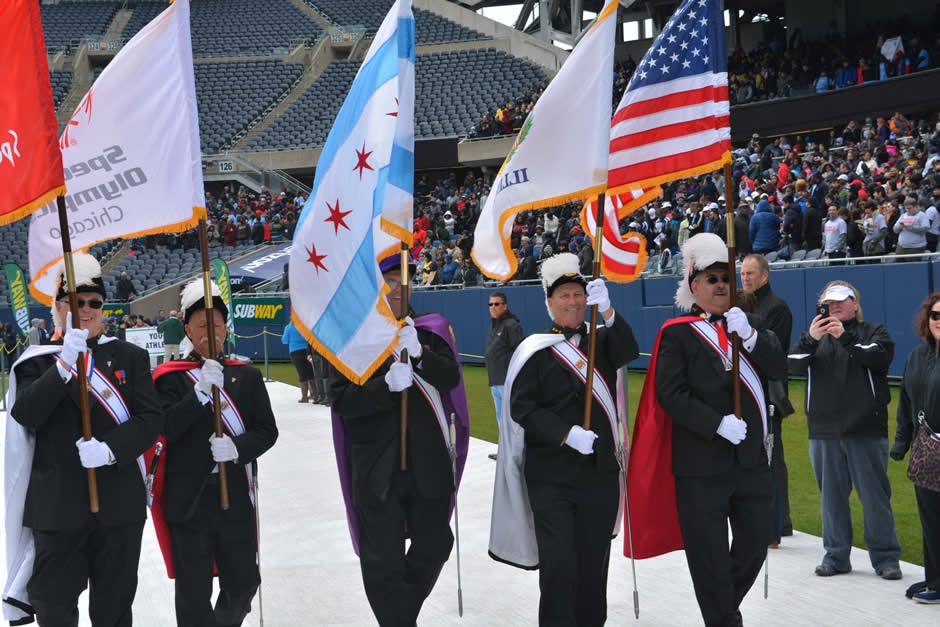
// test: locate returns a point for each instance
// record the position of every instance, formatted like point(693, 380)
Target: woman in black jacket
point(919, 394)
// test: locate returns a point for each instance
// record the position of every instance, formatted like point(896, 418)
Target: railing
point(242, 164)
point(340, 35)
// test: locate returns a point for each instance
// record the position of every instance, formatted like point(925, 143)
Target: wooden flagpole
point(405, 299)
point(732, 288)
point(82, 378)
point(592, 328)
point(210, 324)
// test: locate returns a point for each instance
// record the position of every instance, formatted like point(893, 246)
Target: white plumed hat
point(192, 299)
point(699, 253)
point(559, 269)
point(87, 273)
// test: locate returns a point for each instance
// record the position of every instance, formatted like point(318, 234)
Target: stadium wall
point(890, 294)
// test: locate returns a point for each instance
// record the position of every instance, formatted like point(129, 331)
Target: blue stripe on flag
point(400, 173)
point(378, 194)
point(406, 38)
point(352, 302)
point(402, 164)
point(381, 68)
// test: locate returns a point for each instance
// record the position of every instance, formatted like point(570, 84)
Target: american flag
point(673, 119)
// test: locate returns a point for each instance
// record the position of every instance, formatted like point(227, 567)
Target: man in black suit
point(719, 460)
point(202, 534)
point(74, 547)
point(572, 474)
point(388, 501)
point(776, 316)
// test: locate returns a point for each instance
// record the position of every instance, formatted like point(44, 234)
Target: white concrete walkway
point(311, 576)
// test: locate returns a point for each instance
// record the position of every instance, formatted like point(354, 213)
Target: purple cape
point(454, 402)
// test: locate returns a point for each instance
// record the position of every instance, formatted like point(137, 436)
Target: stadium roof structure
point(564, 28)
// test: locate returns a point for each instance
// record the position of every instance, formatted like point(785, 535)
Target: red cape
point(159, 476)
point(651, 486)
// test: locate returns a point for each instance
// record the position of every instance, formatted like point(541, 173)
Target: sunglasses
point(711, 279)
point(93, 304)
point(935, 315)
point(496, 304)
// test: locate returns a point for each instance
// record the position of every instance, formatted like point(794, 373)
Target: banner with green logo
point(261, 311)
point(116, 310)
point(224, 281)
point(19, 296)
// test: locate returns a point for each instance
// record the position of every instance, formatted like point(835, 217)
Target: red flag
point(30, 162)
point(623, 256)
point(651, 485)
point(673, 120)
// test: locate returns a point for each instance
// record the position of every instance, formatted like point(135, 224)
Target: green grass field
point(804, 494)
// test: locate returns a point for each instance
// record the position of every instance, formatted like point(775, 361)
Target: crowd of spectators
point(871, 188)
point(780, 66)
point(777, 67)
point(237, 218)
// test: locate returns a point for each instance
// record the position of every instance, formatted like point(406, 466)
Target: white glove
point(398, 377)
point(408, 339)
point(597, 295)
point(737, 323)
point(581, 440)
point(94, 453)
point(210, 374)
point(223, 448)
point(732, 429)
point(74, 342)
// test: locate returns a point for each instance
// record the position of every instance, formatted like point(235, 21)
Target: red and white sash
point(110, 399)
point(572, 357)
point(719, 341)
point(232, 421)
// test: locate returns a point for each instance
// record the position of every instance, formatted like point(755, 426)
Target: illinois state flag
point(30, 162)
point(130, 151)
point(360, 209)
point(560, 155)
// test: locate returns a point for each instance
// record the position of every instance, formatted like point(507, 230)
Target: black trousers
point(928, 504)
point(398, 581)
point(226, 539)
point(706, 504)
point(104, 559)
point(573, 528)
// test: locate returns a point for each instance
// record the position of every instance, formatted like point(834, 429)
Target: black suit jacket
point(189, 424)
point(694, 388)
point(374, 424)
point(547, 399)
point(57, 497)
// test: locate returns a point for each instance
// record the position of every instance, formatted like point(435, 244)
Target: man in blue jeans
point(845, 360)
point(504, 336)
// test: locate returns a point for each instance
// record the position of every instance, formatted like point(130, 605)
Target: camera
point(822, 309)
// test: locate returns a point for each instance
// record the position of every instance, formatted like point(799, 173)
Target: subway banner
point(261, 311)
point(19, 296)
point(224, 281)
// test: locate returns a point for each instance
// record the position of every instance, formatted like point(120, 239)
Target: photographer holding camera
point(845, 361)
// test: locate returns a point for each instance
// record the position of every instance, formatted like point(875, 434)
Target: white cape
point(19, 445)
point(512, 526)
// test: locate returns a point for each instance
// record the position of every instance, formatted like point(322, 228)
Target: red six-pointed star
point(394, 114)
point(363, 163)
point(315, 259)
point(336, 216)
